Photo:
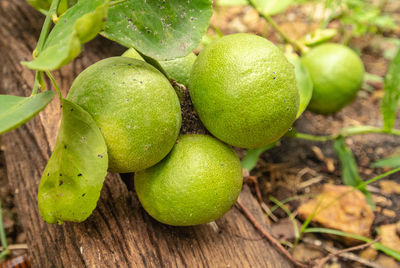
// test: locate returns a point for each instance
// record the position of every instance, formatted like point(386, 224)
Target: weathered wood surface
point(119, 233)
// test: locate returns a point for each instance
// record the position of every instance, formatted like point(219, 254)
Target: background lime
point(198, 182)
point(337, 73)
point(244, 90)
point(135, 107)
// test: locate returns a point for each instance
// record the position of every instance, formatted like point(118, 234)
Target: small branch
point(278, 29)
point(15, 247)
point(268, 236)
point(346, 255)
point(321, 262)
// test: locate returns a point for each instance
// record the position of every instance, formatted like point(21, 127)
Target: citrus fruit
point(179, 68)
point(337, 73)
point(136, 108)
point(244, 90)
point(198, 182)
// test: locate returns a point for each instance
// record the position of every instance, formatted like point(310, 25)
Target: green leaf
point(250, 160)
point(391, 162)
point(391, 98)
point(160, 29)
point(77, 26)
point(304, 83)
point(73, 178)
point(350, 174)
point(319, 36)
point(15, 111)
point(388, 251)
point(271, 7)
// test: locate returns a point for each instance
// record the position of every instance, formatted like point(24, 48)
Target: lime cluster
point(242, 87)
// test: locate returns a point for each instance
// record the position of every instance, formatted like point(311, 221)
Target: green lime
point(198, 182)
point(135, 107)
point(337, 73)
point(244, 90)
point(179, 68)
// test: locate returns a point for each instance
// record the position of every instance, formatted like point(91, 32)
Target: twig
point(268, 236)
point(320, 263)
point(278, 29)
point(253, 180)
point(345, 255)
point(16, 247)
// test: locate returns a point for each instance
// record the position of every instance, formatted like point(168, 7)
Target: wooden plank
point(119, 233)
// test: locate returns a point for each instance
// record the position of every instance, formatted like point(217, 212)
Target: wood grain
point(119, 233)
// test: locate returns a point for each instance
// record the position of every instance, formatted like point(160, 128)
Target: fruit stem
point(42, 39)
point(347, 132)
point(271, 21)
point(54, 82)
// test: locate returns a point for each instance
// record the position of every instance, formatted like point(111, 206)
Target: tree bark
point(119, 232)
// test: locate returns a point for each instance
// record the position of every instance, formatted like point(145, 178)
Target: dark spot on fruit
point(48, 174)
point(141, 82)
point(129, 64)
point(65, 146)
point(80, 174)
point(72, 110)
point(274, 77)
point(60, 183)
point(99, 155)
point(113, 73)
point(60, 175)
point(83, 194)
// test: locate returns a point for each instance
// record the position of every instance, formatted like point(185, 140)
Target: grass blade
point(390, 100)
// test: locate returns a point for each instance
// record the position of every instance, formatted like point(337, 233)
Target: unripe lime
point(244, 90)
point(337, 73)
point(179, 68)
point(135, 107)
point(198, 182)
